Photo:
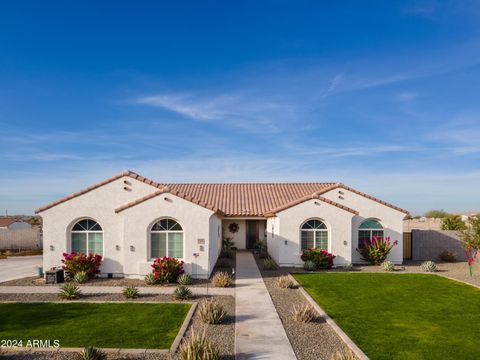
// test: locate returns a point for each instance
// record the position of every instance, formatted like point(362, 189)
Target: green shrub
point(429, 266)
point(182, 293)
point(453, 222)
point(321, 258)
point(130, 292)
point(197, 347)
point(376, 250)
point(388, 266)
point(91, 353)
point(81, 277)
point(448, 256)
point(167, 269)
point(184, 279)
point(221, 279)
point(74, 263)
point(226, 254)
point(309, 265)
point(69, 291)
point(284, 282)
point(211, 312)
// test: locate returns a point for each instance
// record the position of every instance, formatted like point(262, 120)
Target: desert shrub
point(182, 293)
point(429, 266)
point(388, 266)
point(321, 258)
point(166, 269)
point(150, 279)
point(344, 355)
point(448, 256)
point(211, 312)
point(471, 235)
point(269, 264)
point(226, 254)
point(69, 291)
point(91, 353)
point(284, 282)
point(184, 279)
point(437, 214)
point(453, 222)
point(227, 243)
point(376, 250)
point(221, 279)
point(303, 313)
point(81, 277)
point(224, 263)
point(130, 292)
point(74, 263)
point(309, 265)
point(197, 347)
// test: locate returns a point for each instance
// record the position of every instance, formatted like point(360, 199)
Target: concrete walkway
point(259, 333)
point(53, 289)
point(16, 267)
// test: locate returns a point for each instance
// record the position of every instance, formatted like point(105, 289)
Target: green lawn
point(122, 325)
point(397, 316)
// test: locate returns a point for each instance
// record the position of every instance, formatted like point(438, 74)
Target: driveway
point(16, 267)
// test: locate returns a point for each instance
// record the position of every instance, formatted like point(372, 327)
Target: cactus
point(429, 266)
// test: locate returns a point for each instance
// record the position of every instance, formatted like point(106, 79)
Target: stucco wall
point(429, 244)
point(273, 238)
point(338, 222)
point(98, 204)
point(194, 219)
point(215, 243)
point(238, 237)
point(391, 219)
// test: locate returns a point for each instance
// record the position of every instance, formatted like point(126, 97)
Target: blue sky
point(381, 95)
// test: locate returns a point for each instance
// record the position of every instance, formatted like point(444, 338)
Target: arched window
point(314, 234)
point(87, 237)
point(166, 239)
point(369, 229)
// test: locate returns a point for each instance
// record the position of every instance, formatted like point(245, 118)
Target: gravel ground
point(221, 335)
point(310, 341)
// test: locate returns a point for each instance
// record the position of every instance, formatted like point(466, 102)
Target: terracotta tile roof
point(234, 199)
point(8, 220)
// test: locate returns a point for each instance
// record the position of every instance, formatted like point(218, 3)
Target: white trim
point(167, 232)
point(87, 232)
point(327, 230)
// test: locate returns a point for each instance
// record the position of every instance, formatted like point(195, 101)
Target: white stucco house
point(130, 220)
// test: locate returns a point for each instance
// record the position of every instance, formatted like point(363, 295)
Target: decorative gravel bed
point(310, 341)
point(221, 335)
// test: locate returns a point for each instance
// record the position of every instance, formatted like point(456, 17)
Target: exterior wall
point(239, 238)
point(422, 224)
point(195, 221)
point(215, 243)
point(289, 222)
point(273, 240)
point(429, 244)
point(391, 219)
point(98, 204)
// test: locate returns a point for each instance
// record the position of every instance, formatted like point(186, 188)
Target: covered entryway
point(244, 232)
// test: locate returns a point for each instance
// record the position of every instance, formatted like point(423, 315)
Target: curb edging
point(183, 328)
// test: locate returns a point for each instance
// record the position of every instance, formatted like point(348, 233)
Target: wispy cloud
point(406, 96)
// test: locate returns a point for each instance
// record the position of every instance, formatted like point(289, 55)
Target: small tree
point(453, 222)
point(471, 233)
point(436, 214)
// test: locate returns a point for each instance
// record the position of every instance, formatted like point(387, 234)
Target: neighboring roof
point(235, 199)
point(96, 186)
point(6, 221)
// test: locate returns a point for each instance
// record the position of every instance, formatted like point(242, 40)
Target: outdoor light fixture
point(132, 248)
point(117, 247)
point(286, 242)
point(52, 247)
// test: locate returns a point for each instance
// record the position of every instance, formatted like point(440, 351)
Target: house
point(12, 223)
point(131, 220)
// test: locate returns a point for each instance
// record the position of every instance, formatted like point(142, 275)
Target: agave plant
point(130, 292)
point(69, 291)
point(80, 277)
point(429, 266)
point(182, 293)
point(91, 353)
point(388, 266)
point(184, 279)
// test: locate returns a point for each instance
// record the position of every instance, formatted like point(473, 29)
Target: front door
point(251, 234)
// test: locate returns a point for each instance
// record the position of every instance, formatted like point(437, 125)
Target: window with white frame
point(166, 239)
point(368, 230)
point(87, 237)
point(314, 234)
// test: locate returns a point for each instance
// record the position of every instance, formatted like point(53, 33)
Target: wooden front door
point(251, 233)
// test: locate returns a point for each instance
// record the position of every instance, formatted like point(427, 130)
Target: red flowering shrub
point(321, 258)
point(74, 263)
point(166, 269)
point(376, 250)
